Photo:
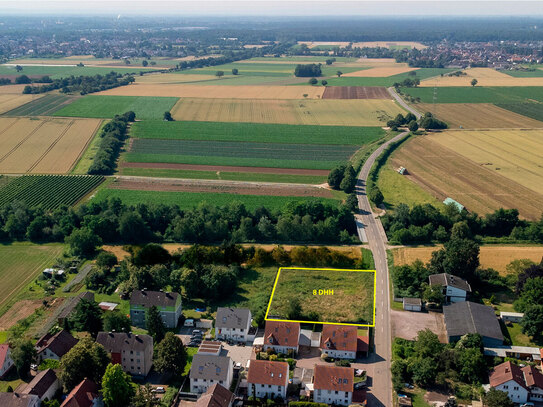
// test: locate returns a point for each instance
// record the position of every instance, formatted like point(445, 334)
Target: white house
point(339, 341)
point(6, 362)
point(55, 346)
point(509, 378)
point(534, 382)
point(333, 385)
point(455, 289)
point(282, 336)
point(267, 379)
point(207, 370)
point(233, 323)
point(44, 385)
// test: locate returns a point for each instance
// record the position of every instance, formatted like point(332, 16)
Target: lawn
point(457, 94)
point(537, 73)
point(518, 338)
point(270, 133)
point(57, 72)
point(145, 107)
point(337, 296)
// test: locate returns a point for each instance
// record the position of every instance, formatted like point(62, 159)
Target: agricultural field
point(11, 89)
point(362, 112)
point(20, 263)
point(91, 61)
point(485, 77)
point(10, 102)
point(356, 92)
point(109, 106)
point(383, 78)
point(531, 109)
point(446, 172)
point(49, 191)
point(379, 72)
point(478, 94)
point(496, 257)
point(43, 145)
point(367, 44)
point(352, 300)
point(536, 73)
point(58, 72)
point(45, 105)
point(480, 115)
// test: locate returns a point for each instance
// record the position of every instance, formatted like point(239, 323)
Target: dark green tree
point(170, 354)
point(144, 63)
point(106, 260)
point(413, 126)
point(154, 324)
point(472, 366)
point(23, 355)
point(116, 321)
point(339, 73)
point(117, 389)
point(313, 81)
point(294, 311)
point(424, 371)
point(459, 257)
point(532, 322)
point(324, 82)
point(219, 74)
point(83, 242)
point(168, 117)
point(497, 398)
point(87, 316)
point(375, 195)
point(235, 71)
point(145, 397)
point(336, 176)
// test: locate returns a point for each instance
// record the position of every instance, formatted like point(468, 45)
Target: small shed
point(412, 304)
point(511, 316)
point(108, 306)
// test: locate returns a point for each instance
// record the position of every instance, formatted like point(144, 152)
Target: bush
point(343, 363)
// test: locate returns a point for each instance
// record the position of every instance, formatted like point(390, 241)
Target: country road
point(380, 393)
point(402, 103)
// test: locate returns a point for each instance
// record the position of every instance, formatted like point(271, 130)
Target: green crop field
point(189, 200)
point(422, 73)
point(57, 72)
point(44, 106)
point(351, 300)
point(49, 191)
point(536, 73)
point(99, 106)
point(529, 109)
point(301, 59)
point(498, 95)
point(251, 132)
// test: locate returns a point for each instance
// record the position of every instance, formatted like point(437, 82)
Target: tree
point(424, 371)
point(474, 82)
point(83, 242)
point(459, 257)
point(154, 324)
point(324, 82)
point(472, 365)
point(144, 63)
point(530, 295)
point(433, 294)
point(23, 356)
point(117, 388)
point(294, 311)
point(375, 195)
point(116, 321)
point(132, 228)
point(22, 80)
point(219, 74)
point(18, 68)
point(532, 322)
point(168, 117)
point(308, 71)
point(87, 359)
point(427, 345)
point(170, 354)
point(336, 176)
point(151, 254)
point(106, 260)
point(313, 81)
point(497, 398)
point(87, 316)
point(235, 71)
point(145, 397)
point(413, 126)
point(339, 73)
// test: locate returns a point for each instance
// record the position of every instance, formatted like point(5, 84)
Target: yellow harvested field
point(496, 257)
point(11, 89)
point(313, 44)
point(388, 44)
point(173, 78)
point(328, 112)
point(9, 102)
point(478, 116)
point(379, 72)
point(484, 76)
point(217, 91)
point(514, 154)
point(43, 146)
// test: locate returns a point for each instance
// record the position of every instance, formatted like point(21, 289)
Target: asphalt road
point(402, 102)
point(380, 393)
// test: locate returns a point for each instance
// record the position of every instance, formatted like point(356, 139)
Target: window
point(344, 334)
point(288, 330)
point(218, 370)
point(223, 319)
point(334, 333)
point(286, 340)
point(200, 369)
point(344, 381)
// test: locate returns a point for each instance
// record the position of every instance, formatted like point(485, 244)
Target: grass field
point(352, 300)
point(374, 112)
point(530, 109)
point(378, 72)
point(485, 77)
point(478, 94)
point(43, 106)
point(270, 133)
point(109, 106)
point(537, 73)
point(57, 72)
point(349, 80)
point(480, 115)
point(20, 263)
point(10, 102)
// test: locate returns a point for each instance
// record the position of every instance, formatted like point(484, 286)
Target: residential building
point(267, 379)
point(362, 346)
point(55, 346)
point(6, 362)
point(85, 394)
point(333, 385)
point(19, 400)
point(133, 352)
point(282, 336)
point(455, 289)
point(467, 317)
point(233, 323)
point(169, 305)
point(509, 378)
point(339, 341)
point(44, 385)
point(207, 370)
point(534, 382)
point(215, 396)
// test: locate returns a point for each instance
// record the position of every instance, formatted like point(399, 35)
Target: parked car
point(159, 389)
point(360, 385)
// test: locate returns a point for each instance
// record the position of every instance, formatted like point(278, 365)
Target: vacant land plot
point(496, 257)
point(20, 263)
point(9, 102)
point(109, 106)
point(479, 116)
point(356, 92)
point(49, 191)
point(446, 173)
point(349, 298)
point(42, 106)
point(370, 112)
point(533, 110)
point(478, 94)
point(43, 146)
point(379, 72)
point(484, 76)
point(20, 310)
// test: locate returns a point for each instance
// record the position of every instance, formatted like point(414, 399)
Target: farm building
point(517, 352)
point(511, 316)
point(412, 304)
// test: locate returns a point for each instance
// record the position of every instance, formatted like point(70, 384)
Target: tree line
point(82, 84)
point(308, 70)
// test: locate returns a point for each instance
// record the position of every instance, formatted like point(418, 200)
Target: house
point(333, 385)
point(71, 303)
point(6, 362)
point(509, 378)
point(534, 381)
point(216, 396)
point(412, 304)
point(467, 317)
point(44, 385)
point(169, 305)
point(455, 289)
point(207, 370)
point(282, 336)
point(133, 352)
point(55, 346)
point(339, 341)
point(515, 317)
point(19, 400)
point(267, 379)
point(233, 323)
point(85, 394)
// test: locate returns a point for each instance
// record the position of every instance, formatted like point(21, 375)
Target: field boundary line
point(62, 134)
point(23, 140)
point(84, 149)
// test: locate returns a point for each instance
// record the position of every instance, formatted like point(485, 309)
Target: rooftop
point(468, 317)
point(40, 383)
point(333, 378)
point(156, 298)
point(18, 400)
point(82, 395)
point(339, 337)
point(266, 372)
point(209, 367)
point(448, 280)
point(215, 396)
point(505, 372)
point(282, 333)
point(233, 318)
point(59, 344)
point(115, 342)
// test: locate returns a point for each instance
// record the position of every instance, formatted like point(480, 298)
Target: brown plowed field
point(232, 187)
point(226, 168)
point(18, 311)
point(356, 92)
point(445, 173)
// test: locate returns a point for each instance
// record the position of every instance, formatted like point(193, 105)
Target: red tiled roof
point(82, 395)
point(215, 396)
point(282, 333)
point(266, 372)
point(505, 372)
point(3, 354)
point(339, 337)
point(333, 378)
point(532, 377)
point(362, 343)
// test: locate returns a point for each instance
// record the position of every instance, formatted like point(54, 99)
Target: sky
point(474, 8)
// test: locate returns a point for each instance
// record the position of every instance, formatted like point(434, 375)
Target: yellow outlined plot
point(321, 322)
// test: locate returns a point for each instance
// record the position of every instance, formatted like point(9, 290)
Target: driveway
point(407, 324)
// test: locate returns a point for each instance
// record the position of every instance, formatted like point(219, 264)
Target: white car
point(159, 389)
